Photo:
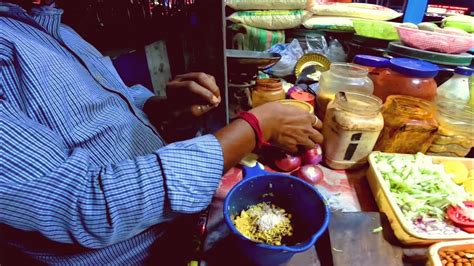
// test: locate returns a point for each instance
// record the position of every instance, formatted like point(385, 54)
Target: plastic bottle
point(457, 87)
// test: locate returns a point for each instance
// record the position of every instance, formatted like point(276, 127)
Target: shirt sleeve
point(140, 95)
point(60, 192)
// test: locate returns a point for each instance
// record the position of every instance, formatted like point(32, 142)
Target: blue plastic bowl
point(310, 213)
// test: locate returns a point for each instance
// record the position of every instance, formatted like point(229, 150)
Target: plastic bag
point(270, 19)
point(316, 43)
point(336, 52)
point(353, 10)
point(290, 53)
point(266, 5)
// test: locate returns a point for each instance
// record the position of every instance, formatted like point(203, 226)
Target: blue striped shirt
point(84, 177)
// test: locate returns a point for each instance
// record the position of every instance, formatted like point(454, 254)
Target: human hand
point(288, 127)
point(198, 91)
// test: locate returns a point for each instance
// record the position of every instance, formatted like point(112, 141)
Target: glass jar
point(267, 90)
point(455, 135)
point(410, 77)
point(410, 125)
point(378, 69)
point(341, 77)
point(351, 127)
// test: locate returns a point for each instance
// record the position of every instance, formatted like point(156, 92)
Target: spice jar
point(410, 125)
point(455, 135)
point(378, 69)
point(410, 77)
point(341, 77)
point(351, 127)
point(267, 90)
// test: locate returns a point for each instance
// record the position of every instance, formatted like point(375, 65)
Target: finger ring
point(316, 120)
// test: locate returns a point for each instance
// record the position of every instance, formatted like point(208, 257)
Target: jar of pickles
point(267, 90)
point(455, 135)
point(351, 127)
point(341, 77)
point(410, 125)
point(410, 77)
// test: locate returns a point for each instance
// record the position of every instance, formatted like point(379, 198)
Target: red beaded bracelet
point(252, 120)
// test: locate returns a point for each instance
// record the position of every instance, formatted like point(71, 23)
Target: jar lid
point(465, 71)
point(371, 61)
point(300, 104)
point(414, 67)
point(302, 96)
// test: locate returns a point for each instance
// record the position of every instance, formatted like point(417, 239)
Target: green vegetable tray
point(387, 204)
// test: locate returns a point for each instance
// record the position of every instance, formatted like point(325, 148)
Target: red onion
point(288, 163)
point(313, 156)
point(311, 173)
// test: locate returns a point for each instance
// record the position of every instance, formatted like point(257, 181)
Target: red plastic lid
point(302, 96)
point(456, 214)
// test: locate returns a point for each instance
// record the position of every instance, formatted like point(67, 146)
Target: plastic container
point(410, 77)
point(387, 204)
point(410, 125)
point(455, 135)
point(457, 87)
point(433, 252)
point(352, 125)
point(435, 41)
point(341, 76)
point(309, 213)
point(267, 90)
point(378, 69)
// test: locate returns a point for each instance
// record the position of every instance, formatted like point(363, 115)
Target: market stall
point(396, 101)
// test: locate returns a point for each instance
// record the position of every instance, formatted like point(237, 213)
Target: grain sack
point(271, 19)
point(266, 4)
point(250, 38)
point(328, 23)
point(355, 10)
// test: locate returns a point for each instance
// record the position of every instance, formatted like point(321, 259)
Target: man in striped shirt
point(84, 176)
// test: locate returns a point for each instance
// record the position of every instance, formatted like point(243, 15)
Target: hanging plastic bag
point(336, 52)
point(290, 53)
point(316, 43)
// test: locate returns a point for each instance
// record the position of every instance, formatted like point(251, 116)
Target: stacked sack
point(339, 16)
point(261, 24)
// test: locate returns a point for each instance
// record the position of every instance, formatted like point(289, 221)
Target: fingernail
point(215, 100)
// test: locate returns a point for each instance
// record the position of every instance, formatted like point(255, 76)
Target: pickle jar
point(410, 125)
point(351, 127)
point(455, 135)
point(267, 90)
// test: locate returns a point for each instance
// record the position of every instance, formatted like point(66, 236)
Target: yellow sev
point(264, 223)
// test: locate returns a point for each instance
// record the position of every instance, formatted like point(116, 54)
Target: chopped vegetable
point(422, 189)
point(264, 222)
point(458, 170)
point(377, 230)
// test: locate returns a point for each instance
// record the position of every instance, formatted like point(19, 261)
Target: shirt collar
point(47, 17)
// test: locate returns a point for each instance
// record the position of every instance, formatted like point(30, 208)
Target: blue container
point(309, 211)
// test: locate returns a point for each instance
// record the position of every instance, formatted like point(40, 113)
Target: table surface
point(353, 205)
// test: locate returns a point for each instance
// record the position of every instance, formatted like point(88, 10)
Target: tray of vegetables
point(427, 199)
